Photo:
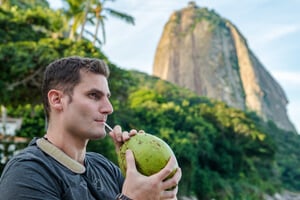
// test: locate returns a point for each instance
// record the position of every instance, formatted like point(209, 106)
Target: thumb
point(130, 162)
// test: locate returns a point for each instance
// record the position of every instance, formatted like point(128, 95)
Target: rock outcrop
point(206, 53)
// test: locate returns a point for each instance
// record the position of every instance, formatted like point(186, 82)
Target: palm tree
point(75, 14)
point(99, 12)
point(82, 12)
point(85, 17)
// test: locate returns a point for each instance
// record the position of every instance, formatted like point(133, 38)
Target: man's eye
point(94, 95)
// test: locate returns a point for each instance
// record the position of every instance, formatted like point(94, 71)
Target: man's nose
point(106, 107)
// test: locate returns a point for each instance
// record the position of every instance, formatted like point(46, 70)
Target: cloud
point(278, 31)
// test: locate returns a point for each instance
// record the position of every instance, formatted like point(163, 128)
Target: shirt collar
point(60, 156)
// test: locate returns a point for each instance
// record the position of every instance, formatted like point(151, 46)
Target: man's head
point(64, 75)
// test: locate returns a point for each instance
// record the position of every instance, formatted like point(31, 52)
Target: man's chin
point(99, 136)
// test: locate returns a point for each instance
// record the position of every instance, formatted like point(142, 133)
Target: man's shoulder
point(27, 157)
point(28, 173)
point(31, 152)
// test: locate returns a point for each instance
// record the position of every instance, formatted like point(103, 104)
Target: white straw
point(108, 126)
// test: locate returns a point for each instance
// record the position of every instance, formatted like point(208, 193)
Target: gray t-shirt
point(32, 174)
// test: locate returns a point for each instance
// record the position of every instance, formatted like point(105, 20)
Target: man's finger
point(169, 194)
point(118, 133)
point(168, 169)
point(172, 182)
point(132, 132)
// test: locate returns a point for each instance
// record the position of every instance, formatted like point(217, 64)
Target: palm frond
point(123, 16)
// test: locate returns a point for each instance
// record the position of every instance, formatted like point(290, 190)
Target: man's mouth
point(100, 120)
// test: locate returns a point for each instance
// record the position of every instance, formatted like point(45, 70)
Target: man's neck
point(70, 145)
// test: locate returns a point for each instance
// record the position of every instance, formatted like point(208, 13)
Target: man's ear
point(55, 99)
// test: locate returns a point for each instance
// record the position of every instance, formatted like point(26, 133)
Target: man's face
point(85, 115)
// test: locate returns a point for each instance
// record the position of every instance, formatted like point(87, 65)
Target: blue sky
point(271, 27)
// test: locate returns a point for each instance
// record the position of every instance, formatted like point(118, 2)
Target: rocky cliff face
point(201, 51)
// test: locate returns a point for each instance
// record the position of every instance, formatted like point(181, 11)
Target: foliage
point(22, 65)
point(25, 4)
point(209, 15)
point(33, 123)
point(287, 154)
point(202, 14)
point(34, 24)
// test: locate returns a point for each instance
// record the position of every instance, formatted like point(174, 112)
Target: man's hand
point(120, 137)
point(155, 187)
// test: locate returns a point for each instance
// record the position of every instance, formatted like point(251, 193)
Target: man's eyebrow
point(99, 92)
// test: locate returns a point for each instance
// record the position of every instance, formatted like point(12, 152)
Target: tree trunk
point(86, 11)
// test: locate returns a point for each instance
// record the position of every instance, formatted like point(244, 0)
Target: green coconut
point(150, 152)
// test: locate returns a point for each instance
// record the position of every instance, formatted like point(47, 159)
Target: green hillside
point(224, 153)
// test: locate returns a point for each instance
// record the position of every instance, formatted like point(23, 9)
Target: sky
point(271, 28)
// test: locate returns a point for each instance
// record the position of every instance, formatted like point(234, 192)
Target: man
point(76, 102)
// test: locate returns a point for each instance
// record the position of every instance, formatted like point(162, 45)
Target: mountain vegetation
point(225, 153)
